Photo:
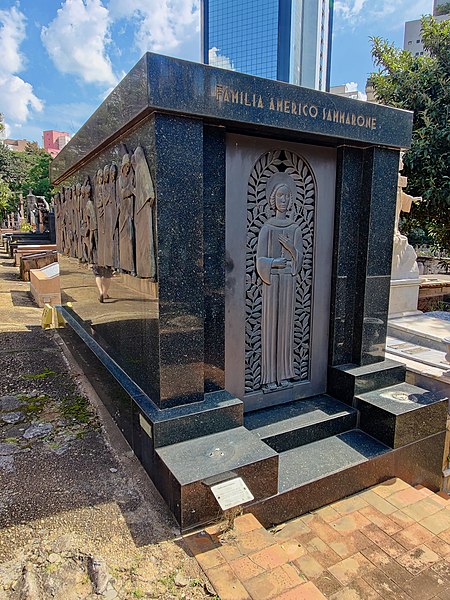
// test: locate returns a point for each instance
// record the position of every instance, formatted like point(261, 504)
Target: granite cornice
point(235, 100)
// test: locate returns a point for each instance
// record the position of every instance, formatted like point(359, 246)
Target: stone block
point(402, 414)
point(45, 285)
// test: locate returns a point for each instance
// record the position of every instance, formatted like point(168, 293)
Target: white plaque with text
point(231, 493)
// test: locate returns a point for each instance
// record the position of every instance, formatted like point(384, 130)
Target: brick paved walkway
point(390, 540)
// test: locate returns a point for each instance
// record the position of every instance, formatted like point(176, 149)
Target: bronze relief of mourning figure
point(115, 199)
point(143, 217)
point(85, 231)
point(78, 211)
point(90, 223)
point(70, 207)
point(109, 214)
point(67, 221)
point(100, 209)
point(278, 262)
point(126, 213)
point(73, 221)
point(57, 209)
point(62, 221)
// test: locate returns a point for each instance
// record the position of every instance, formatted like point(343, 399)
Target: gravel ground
point(79, 518)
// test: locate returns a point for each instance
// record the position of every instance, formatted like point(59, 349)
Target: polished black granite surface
point(346, 381)
point(319, 459)
point(185, 472)
point(219, 411)
point(178, 156)
point(298, 423)
point(416, 463)
point(214, 255)
point(167, 84)
point(402, 413)
point(211, 455)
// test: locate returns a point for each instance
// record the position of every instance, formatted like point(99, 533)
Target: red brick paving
point(392, 540)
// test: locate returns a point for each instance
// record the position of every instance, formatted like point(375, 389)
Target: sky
point(60, 58)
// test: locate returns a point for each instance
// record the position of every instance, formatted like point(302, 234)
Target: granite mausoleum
point(249, 225)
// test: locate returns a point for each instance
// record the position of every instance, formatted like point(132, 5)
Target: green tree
point(37, 162)
point(422, 84)
point(443, 9)
point(6, 198)
point(25, 170)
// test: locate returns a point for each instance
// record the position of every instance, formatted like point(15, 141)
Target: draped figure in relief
point(278, 262)
point(126, 214)
point(115, 199)
point(109, 212)
point(143, 217)
point(100, 210)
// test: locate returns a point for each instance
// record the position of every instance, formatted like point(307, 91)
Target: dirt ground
point(79, 517)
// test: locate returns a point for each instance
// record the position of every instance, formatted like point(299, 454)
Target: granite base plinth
point(183, 470)
point(416, 463)
point(401, 414)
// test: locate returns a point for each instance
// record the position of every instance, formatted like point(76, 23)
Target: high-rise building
point(288, 40)
point(413, 29)
point(54, 141)
point(348, 90)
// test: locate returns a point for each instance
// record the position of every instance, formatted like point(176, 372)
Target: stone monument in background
point(405, 280)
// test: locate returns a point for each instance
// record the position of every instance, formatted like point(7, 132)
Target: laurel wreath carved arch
point(302, 212)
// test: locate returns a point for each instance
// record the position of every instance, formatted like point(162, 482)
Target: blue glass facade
point(243, 36)
point(286, 40)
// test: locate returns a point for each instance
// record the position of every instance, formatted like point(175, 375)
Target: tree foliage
point(443, 9)
point(6, 197)
point(20, 171)
point(422, 84)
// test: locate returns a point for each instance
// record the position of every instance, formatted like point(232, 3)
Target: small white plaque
point(231, 493)
point(146, 426)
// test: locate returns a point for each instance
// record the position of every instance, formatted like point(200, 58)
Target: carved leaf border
point(303, 213)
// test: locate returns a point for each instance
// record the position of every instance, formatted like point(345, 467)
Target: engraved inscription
point(280, 232)
point(226, 95)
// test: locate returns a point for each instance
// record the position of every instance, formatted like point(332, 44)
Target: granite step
point(186, 470)
point(347, 381)
point(329, 470)
point(303, 465)
point(400, 414)
point(295, 424)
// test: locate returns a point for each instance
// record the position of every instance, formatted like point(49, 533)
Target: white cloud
point(348, 9)
point(162, 25)
point(17, 99)
point(77, 38)
point(215, 59)
point(354, 12)
point(12, 34)
point(351, 86)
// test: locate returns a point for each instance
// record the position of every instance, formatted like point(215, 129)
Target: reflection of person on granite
point(278, 262)
point(103, 276)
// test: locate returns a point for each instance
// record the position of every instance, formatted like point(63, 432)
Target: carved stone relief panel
point(281, 198)
point(111, 222)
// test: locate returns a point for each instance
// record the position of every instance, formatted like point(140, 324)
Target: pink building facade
point(54, 141)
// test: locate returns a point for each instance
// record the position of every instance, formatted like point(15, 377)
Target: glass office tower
point(288, 40)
